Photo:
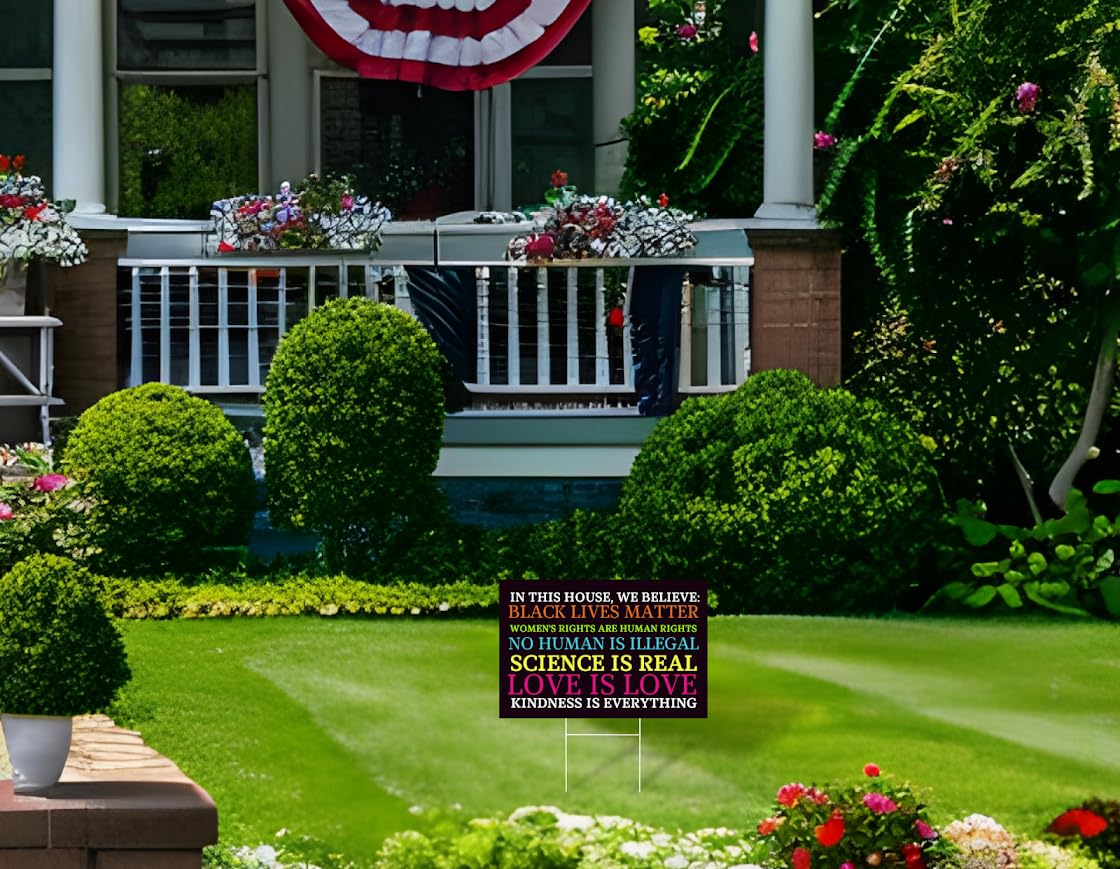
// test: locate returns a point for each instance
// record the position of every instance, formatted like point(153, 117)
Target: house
point(85, 79)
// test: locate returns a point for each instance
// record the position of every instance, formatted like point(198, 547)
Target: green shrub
point(353, 423)
point(166, 474)
point(785, 497)
point(583, 545)
point(1066, 565)
point(294, 595)
point(60, 654)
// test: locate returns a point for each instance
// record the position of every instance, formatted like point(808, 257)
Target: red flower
point(559, 178)
point(663, 200)
point(615, 318)
point(831, 831)
point(687, 32)
point(224, 246)
point(5, 163)
point(540, 246)
point(788, 795)
point(818, 797)
point(1078, 822)
point(10, 200)
point(871, 769)
point(17, 162)
point(768, 825)
point(801, 858)
point(754, 42)
point(913, 855)
point(32, 212)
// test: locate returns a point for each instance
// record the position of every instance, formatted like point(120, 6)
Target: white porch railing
point(212, 324)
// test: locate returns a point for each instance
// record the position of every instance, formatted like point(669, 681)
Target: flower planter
point(13, 288)
point(38, 746)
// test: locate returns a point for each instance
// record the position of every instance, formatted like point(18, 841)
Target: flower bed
point(32, 227)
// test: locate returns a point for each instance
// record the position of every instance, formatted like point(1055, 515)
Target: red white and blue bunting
point(450, 44)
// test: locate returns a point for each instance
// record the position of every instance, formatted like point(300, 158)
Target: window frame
point(171, 78)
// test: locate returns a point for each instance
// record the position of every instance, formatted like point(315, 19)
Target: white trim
point(26, 73)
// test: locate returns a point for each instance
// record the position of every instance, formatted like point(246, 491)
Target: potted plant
point(60, 656)
point(32, 228)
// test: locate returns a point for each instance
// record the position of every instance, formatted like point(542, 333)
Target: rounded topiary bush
point(60, 653)
point(353, 423)
point(785, 497)
point(166, 475)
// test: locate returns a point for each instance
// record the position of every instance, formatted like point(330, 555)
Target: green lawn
point(333, 729)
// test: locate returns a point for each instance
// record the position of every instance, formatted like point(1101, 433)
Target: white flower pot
point(37, 747)
point(13, 288)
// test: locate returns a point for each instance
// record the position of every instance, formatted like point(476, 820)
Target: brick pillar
point(795, 302)
point(84, 298)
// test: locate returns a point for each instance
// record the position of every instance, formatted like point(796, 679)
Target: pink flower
point(925, 830)
point(6, 512)
point(347, 202)
point(817, 796)
point(788, 795)
point(880, 804)
point(823, 140)
point(847, 864)
point(948, 221)
point(871, 769)
point(50, 482)
point(687, 31)
point(1027, 96)
point(754, 42)
point(801, 858)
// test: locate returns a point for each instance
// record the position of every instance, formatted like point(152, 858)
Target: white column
point(78, 119)
point(289, 97)
point(787, 47)
point(612, 69)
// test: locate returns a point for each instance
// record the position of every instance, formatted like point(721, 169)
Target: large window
point(189, 88)
point(422, 150)
point(26, 50)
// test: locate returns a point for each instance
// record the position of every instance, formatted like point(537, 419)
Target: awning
point(450, 44)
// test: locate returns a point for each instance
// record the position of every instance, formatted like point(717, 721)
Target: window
point(26, 47)
point(183, 146)
point(410, 147)
point(187, 97)
point(176, 34)
point(551, 124)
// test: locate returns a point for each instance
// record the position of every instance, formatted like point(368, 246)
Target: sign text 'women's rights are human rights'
point(612, 649)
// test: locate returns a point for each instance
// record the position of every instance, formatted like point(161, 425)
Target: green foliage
point(41, 518)
point(543, 837)
point(166, 475)
point(785, 497)
point(583, 545)
point(989, 235)
point(60, 654)
point(183, 148)
point(696, 130)
point(1066, 565)
point(353, 423)
point(1044, 855)
point(851, 823)
point(299, 594)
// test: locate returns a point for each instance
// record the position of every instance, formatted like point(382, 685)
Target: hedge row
point(298, 595)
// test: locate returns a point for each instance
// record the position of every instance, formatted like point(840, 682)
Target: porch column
point(612, 70)
point(78, 119)
point(787, 47)
point(289, 97)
